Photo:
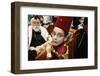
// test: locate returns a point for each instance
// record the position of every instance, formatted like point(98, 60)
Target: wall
point(5, 36)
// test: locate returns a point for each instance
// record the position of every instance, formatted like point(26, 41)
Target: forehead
point(33, 19)
point(82, 18)
point(58, 30)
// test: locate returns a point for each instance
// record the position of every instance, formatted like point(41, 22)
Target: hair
point(36, 17)
point(85, 21)
point(65, 34)
point(76, 22)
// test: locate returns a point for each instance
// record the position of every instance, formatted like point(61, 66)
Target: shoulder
point(43, 29)
point(29, 27)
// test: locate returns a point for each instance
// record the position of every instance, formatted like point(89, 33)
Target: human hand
point(32, 48)
point(49, 55)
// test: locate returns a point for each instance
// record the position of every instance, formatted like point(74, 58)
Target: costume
point(72, 41)
point(81, 50)
point(78, 43)
point(60, 51)
point(36, 38)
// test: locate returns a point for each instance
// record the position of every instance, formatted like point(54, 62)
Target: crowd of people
point(57, 37)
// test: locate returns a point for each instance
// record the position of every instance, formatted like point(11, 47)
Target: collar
point(61, 49)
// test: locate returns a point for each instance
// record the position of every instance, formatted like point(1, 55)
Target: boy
point(58, 49)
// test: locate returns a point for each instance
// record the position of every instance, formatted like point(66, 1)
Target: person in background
point(75, 22)
point(47, 21)
point(78, 22)
point(78, 39)
point(81, 50)
point(38, 37)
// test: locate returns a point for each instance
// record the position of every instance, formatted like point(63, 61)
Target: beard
point(36, 28)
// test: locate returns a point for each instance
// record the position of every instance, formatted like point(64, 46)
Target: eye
point(34, 22)
point(38, 22)
point(53, 33)
point(60, 35)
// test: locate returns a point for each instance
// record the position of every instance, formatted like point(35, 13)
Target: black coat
point(81, 50)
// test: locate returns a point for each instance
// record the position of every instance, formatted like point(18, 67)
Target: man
point(81, 50)
point(38, 36)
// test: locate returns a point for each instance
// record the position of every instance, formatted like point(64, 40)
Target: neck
point(60, 49)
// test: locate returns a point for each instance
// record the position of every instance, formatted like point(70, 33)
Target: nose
point(55, 37)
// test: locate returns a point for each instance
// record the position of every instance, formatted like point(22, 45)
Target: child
point(58, 48)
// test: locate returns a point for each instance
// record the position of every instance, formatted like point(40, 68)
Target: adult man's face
point(35, 24)
point(57, 36)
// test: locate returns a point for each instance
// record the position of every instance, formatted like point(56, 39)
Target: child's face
point(57, 36)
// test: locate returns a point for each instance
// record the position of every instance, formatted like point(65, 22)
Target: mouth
point(54, 42)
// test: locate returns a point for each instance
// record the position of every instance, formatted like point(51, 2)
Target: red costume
point(63, 23)
point(58, 52)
